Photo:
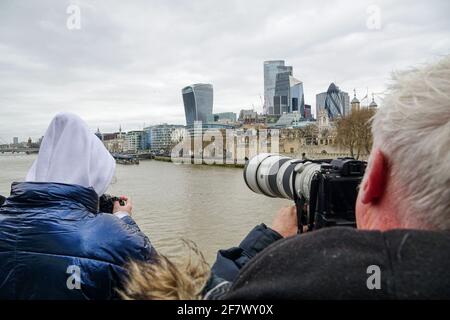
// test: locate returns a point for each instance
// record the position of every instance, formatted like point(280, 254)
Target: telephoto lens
point(324, 190)
point(272, 174)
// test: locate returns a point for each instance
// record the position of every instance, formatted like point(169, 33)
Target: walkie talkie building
point(198, 103)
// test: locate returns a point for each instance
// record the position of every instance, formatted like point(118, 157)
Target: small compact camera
point(106, 203)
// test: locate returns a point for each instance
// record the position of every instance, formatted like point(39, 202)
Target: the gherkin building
point(336, 102)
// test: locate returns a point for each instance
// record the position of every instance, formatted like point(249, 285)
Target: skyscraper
point(307, 114)
point(297, 96)
point(335, 102)
point(320, 102)
point(198, 103)
point(346, 99)
point(271, 70)
point(289, 95)
point(282, 93)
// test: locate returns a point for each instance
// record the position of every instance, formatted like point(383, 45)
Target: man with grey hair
point(400, 249)
point(407, 183)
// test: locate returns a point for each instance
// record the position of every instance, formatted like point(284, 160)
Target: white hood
point(70, 154)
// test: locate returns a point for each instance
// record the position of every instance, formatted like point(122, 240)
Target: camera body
point(333, 193)
point(106, 203)
point(323, 190)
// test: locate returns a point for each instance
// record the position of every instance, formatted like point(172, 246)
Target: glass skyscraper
point(289, 95)
point(282, 93)
point(198, 103)
point(297, 96)
point(335, 102)
point(271, 70)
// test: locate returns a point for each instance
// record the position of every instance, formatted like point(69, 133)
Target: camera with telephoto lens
point(106, 203)
point(324, 190)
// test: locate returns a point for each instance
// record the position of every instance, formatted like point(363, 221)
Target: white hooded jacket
point(71, 154)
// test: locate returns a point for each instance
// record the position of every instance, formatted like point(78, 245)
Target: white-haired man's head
point(407, 182)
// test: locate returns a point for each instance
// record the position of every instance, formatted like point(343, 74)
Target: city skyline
point(127, 63)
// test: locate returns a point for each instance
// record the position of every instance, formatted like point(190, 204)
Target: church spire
point(373, 104)
point(355, 102)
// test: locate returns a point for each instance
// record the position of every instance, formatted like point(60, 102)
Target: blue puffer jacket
point(55, 245)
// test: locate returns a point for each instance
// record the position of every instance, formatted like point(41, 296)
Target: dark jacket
point(53, 238)
point(345, 263)
point(229, 262)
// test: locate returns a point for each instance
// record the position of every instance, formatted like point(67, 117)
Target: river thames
point(209, 205)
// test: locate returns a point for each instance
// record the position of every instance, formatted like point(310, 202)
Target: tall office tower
point(271, 70)
point(307, 114)
point(282, 93)
point(198, 103)
point(297, 97)
point(289, 95)
point(347, 107)
point(320, 103)
point(335, 102)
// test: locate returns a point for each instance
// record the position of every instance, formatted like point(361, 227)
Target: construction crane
point(373, 94)
point(366, 96)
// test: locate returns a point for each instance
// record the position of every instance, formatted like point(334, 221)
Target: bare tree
point(354, 132)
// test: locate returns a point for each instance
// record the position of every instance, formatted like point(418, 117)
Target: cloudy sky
point(129, 60)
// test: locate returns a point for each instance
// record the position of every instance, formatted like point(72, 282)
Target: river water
point(209, 205)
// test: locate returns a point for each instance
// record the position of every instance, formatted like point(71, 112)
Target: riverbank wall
point(189, 161)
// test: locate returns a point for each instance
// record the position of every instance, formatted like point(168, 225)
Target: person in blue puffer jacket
point(54, 242)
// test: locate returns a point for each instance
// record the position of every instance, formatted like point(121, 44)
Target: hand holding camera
point(111, 204)
point(285, 222)
point(122, 204)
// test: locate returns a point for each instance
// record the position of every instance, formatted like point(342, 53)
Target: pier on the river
point(19, 150)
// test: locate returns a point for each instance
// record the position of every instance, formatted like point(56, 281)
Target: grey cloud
point(129, 61)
